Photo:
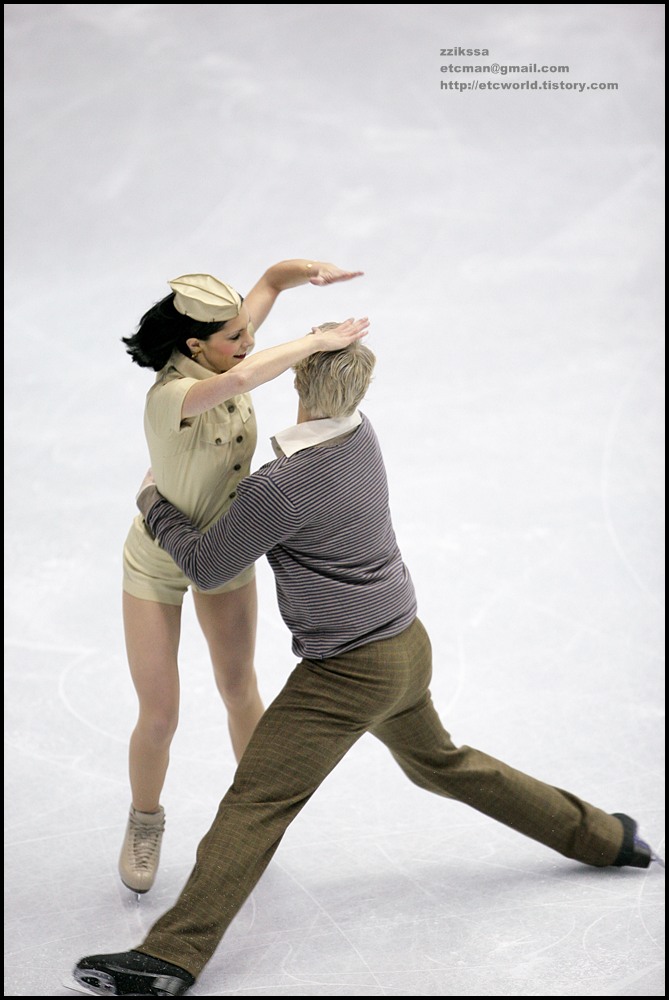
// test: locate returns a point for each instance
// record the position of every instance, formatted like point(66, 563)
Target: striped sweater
point(322, 519)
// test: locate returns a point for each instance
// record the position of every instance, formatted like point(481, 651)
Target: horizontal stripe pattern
point(322, 518)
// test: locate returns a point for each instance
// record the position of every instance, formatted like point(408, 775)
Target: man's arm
point(259, 518)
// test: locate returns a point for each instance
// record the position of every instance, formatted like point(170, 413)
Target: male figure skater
point(320, 514)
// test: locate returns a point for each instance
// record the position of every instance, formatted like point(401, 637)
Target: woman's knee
point(237, 685)
point(158, 725)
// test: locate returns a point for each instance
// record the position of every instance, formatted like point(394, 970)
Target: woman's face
point(229, 345)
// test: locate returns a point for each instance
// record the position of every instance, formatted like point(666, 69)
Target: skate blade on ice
point(70, 983)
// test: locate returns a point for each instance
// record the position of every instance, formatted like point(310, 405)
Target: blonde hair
point(332, 383)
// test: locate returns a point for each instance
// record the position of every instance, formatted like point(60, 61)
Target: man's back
point(341, 581)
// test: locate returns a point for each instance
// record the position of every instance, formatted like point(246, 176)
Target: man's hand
point(147, 481)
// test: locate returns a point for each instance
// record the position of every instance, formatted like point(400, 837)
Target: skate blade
point(70, 983)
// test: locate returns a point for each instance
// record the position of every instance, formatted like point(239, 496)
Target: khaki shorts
point(152, 575)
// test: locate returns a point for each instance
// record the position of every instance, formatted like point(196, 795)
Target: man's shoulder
point(269, 489)
point(286, 475)
point(272, 475)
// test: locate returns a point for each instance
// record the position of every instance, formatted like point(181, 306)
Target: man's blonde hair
point(332, 383)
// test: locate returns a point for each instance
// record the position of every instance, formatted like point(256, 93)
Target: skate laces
point(145, 843)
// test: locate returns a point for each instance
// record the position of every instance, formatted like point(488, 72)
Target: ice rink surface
point(512, 244)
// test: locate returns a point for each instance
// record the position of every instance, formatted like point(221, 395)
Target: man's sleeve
point(260, 517)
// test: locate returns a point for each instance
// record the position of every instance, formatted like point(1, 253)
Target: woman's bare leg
point(152, 632)
point(229, 622)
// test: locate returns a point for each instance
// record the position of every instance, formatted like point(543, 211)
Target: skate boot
point(635, 851)
point(130, 974)
point(140, 853)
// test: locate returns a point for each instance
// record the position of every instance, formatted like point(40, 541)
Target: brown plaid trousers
point(325, 707)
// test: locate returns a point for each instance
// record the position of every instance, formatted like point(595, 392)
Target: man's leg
point(321, 712)
point(552, 816)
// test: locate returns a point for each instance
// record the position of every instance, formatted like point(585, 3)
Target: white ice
point(512, 243)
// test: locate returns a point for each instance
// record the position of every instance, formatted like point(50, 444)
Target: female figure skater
point(201, 434)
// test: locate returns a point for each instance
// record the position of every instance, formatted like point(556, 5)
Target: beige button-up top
point(197, 462)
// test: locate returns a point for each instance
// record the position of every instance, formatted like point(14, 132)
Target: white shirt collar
point(312, 432)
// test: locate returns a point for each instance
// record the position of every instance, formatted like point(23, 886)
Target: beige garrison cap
point(205, 298)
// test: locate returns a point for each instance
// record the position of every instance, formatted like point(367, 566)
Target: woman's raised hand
point(341, 335)
point(327, 274)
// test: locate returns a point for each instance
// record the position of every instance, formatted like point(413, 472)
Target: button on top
point(231, 409)
point(233, 495)
point(236, 467)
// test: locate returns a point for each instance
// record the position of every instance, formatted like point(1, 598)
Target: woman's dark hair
point(162, 330)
